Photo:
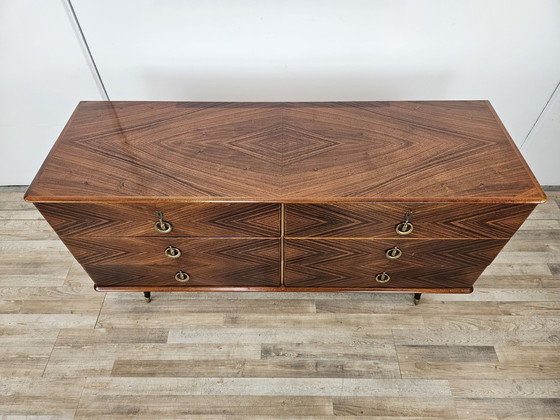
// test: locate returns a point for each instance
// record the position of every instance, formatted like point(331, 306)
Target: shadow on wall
point(258, 85)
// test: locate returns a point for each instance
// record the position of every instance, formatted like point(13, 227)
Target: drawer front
point(207, 261)
point(155, 276)
point(186, 219)
point(356, 262)
point(371, 220)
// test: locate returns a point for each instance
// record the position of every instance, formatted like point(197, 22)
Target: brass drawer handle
point(161, 225)
point(172, 252)
point(393, 253)
point(404, 228)
point(382, 277)
point(182, 276)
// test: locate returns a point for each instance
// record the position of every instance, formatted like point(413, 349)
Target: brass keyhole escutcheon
point(161, 225)
point(182, 276)
point(393, 253)
point(406, 227)
point(172, 252)
point(382, 277)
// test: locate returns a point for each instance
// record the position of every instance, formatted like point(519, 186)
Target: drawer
point(356, 262)
point(433, 220)
point(164, 276)
point(186, 219)
point(208, 261)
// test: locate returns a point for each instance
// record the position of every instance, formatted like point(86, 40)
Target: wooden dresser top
point(452, 151)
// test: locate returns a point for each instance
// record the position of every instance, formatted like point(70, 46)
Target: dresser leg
point(148, 296)
point(417, 297)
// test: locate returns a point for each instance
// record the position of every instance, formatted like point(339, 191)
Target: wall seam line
point(93, 65)
point(540, 114)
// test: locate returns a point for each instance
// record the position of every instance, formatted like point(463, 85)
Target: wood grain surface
point(157, 278)
point(195, 252)
point(68, 352)
point(285, 152)
point(209, 262)
point(138, 219)
point(355, 262)
point(371, 220)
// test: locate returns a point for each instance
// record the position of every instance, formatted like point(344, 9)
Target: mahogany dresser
point(357, 196)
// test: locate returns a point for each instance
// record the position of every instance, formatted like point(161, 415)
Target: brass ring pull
point(172, 252)
point(182, 276)
point(404, 228)
point(382, 277)
point(393, 253)
point(161, 225)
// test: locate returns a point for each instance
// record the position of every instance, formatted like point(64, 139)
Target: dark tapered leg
point(148, 296)
point(417, 297)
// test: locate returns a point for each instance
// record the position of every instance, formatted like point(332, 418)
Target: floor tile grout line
point(50, 354)
point(396, 353)
point(86, 379)
point(95, 326)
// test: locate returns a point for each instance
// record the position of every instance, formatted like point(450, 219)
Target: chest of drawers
point(359, 196)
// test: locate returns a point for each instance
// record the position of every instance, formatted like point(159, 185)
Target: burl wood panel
point(441, 220)
point(452, 263)
point(208, 261)
point(138, 219)
point(432, 151)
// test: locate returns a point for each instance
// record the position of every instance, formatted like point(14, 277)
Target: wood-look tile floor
point(67, 351)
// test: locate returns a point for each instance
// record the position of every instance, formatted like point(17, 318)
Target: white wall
point(43, 74)
point(507, 51)
point(542, 148)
